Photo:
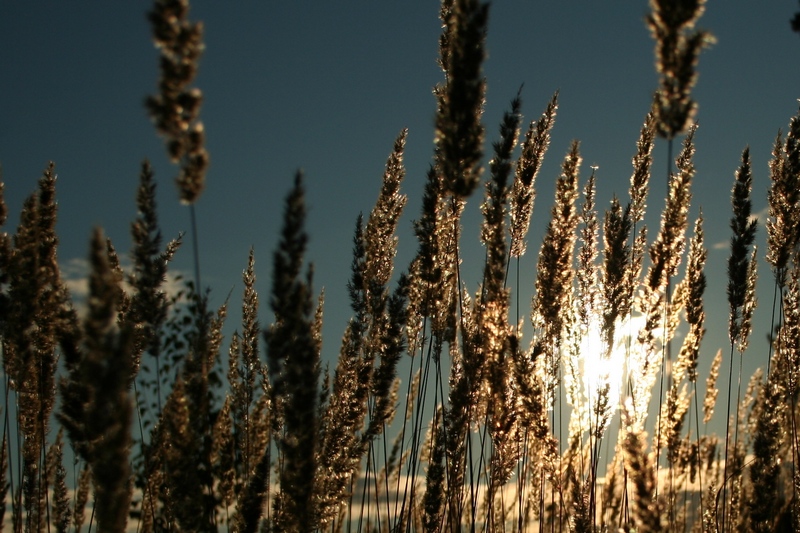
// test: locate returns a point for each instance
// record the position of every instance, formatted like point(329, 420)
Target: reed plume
point(648, 509)
point(554, 270)
point(678, 46)
point(294, 369)
point(492, 312)
point(360, 402)
point(100, 427)
point(744, 231)
point(273, 449)
point(741, 296)
point(148, 306)
point(37, 314)
point(665, 252)
point(176, 107)
point(764, 503)
point(783, 197)
point(459, 132)
point(61, 500)
point(523, 194)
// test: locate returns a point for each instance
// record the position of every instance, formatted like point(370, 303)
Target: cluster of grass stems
point(170, 431)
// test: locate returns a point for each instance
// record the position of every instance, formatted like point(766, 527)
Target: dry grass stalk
point(176, 107)
point(37, 315)
point(744, 231)
point(784, 195)
point(695, 313)
point(665, 256)
point(459, 132)
point(741, 301)
point(678, 46)
point(294, 369)
point(710, 399)
point(554, 271)
point(57, 476)
point(492, 312)
point(147, 309)
point(101, 425)
point(208, 463)
point(523, 194)
point(648, 509)
point(665, 252)
point(764, 501)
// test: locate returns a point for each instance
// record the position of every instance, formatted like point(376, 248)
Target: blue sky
point(326, 86)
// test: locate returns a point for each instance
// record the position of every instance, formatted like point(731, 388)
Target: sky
point(325, 87)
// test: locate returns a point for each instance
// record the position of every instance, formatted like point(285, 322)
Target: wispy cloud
point(75, 273)
point(760, 217)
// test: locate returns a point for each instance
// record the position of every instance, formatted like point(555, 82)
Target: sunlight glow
point(605, 371)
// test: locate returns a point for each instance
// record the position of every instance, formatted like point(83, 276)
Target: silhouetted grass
point(165, 440)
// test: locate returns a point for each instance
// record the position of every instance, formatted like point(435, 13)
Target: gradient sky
point(326, 86)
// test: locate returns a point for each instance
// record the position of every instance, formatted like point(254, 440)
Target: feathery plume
point(678, 46)
point(695, 315)
point(492, 315)
point(254, 496)
point(586, 271)
point(61, 508)
point(339, 444)
point(223, 454)
point(379, 235)
point(100, 427)
point(642, 163)
point(294, 369)
point(81, 496)
point(435, 479)
point(617, 257)
point(710, 398)
point(537, 141)
point(148, 305)
point(765, 468)
point(554, 271)
point(176, 107)
point(37, 316)
point(783, 221)
point(392, 347)
point(459, 132)
point(648, 508)
point(665, 252)
point(744, 232)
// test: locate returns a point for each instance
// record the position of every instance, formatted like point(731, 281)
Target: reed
point(176, 427)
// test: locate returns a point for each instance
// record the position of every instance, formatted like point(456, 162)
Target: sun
point(605, 369)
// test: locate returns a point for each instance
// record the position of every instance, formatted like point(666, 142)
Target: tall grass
point(171, 434)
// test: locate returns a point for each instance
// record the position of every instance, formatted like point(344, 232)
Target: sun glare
point(605, 370)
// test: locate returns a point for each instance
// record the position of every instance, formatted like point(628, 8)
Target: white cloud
point(75, 273)
point(759, 217)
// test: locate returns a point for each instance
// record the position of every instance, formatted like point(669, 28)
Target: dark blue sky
point(326, 87)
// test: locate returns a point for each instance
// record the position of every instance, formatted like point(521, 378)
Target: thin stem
point(727, 438)
point(699, 469)
point(666, 359)
point(195, 249)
